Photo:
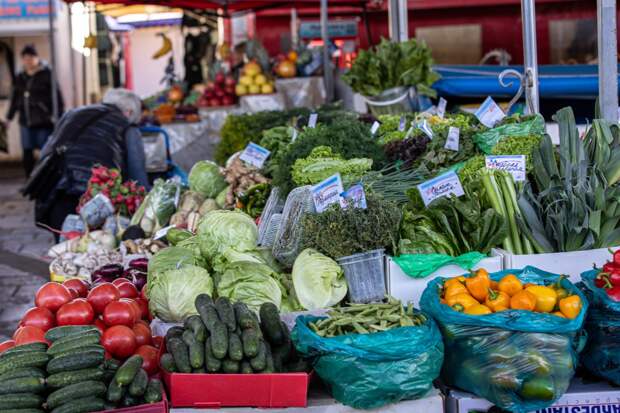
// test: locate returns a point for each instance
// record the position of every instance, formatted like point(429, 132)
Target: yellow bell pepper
point(571, 306)
point(523, 300)
point(497, 300)
point(559, 290)
point(510, 285)
point(478, 285)
point(546, 298)
point(478, 309)
point(455, 289)
point(461, 302)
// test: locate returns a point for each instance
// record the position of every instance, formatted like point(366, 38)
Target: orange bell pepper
point(478, 309)
point(546, 298)
point(559, 314)
point(523, 300)
point(463, 301)
point(454, 289)
point(494, 285)
point(497, 300)
point(510, 285)
point(571, 306)
point(478, 285)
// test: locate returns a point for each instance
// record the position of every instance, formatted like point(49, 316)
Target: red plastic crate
point(159, 407)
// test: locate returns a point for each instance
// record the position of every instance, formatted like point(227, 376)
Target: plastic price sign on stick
point(443, 185)
point(424, 127)
point(255, 155)
point(514, 164)
point(294, 135)
point(162, 232)
point(327, 192)
point(452, 141)
point(312, 120)
point(355, 196)
point(489, 113)
point(375, 127)
point(401, 124)
point(441, 107)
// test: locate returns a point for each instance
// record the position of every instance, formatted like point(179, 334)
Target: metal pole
point(294, 29)
point(393, 21)
point(50, 19)
point(328, 72)
point(607, 60)
point(403, 21)
point(530, 60)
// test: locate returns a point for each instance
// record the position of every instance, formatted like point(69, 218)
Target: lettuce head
point(206, 179)
point(220, 230)
point(318, 280)
point(250, 282)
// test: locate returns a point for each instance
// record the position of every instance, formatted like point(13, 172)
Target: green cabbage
point(172, 293)
point(220, 230)
point(250, 282)
point(323, 163)
point(319, 281)
point(169, 259)
point(206, 179)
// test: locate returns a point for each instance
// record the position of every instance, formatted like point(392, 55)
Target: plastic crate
point(159, 407)
point(365, 274)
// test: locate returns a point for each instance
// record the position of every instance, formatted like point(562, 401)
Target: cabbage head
point(172, 293)
point(169, 259)
point(319, 281)
point(230, 255)
point(206, 179)
point(252, 283)
point(220, 230)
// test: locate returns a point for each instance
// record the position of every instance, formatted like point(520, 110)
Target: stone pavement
point(22, 247)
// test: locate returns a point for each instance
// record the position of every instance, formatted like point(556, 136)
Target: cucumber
point(175, 331)
point(56, 333)
point(77, 361)
point(235, 348)
point(20, 401)
point(22, 385)
point(270, 323)
point(22, 411)
point(245, 368)
point(282, 353)
point(115, 392)
point(72, 342)
point(212, 363)
point(111, 364)
point(24, 348)
point(195, 324)
point(129, 400)
point(166, 362)
point(269, 364)
point(230, 366)
point(23, 372)
point(259, 361)
point(219, 340)
point(108, 376)
point(139, 383)
point(67, 378)
point(19, 360)
point(153, 393)
point(208, 315)
point(75, 391)
point(95, 348)
point(250, 339)
point(226, 312)
point(196, 350)
point(180, 353)
point(243, 315)
point(202, 300)
point(126, 373)
point(83, 405)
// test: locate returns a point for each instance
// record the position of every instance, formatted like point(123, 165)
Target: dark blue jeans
point(32, 138)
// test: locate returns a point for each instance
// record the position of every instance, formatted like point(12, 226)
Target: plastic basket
point(390, 102)
point(274, 205)
point(365, 274)
point(273, 226)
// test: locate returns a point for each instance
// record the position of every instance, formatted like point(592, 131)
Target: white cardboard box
point(581, 397)
point(408, 289)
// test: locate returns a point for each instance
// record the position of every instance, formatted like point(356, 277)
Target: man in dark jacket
point(32, 99)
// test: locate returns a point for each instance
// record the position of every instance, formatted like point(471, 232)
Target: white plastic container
point(365, 274)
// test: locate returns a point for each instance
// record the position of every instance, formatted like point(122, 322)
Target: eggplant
point(141, 264)
point(137, 277)
point(108, 272)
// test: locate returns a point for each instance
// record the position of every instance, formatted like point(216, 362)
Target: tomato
point(78, 285)
point(144, 308)
point(120, 341)
point(157, 340)
point(149, 358)
point(5, 345)
point(119, 313)
point(143, 334)
point(127, 289)
point(102, 295)
point(52, 296)
point(137, 311)
point(143, 323)
point(38, 317)
point(29, 334)
point(76, 313)
point(100, 325)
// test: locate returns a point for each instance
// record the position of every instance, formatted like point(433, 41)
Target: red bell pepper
point(614, 293)
point(616, 255)
point(611, 267)
point(602, 280)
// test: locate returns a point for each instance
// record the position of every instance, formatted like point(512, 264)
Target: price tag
point(489, 113)
point(162, 232)
point(452, 141)
point(375, 127)
point(443, 185)
point(312, 120)
point(401, 124)
point(294, 135)
point(255, 155)
point(424, 127)
point(327, 192)
point(515, 164)
point(441, 107)
point(355, 197)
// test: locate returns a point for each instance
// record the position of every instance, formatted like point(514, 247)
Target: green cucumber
point(166, 362)
point(71, 342)
point(77, 361)
point(20, 401)
point(95, 348)
point(111, 364)
point(126, 373)
point(226, 312)
point(208, 315)
point(175, 331)
point(22, 411)
point(219, 340)
point(56, 333)
point(153, 393)
point(282, 353)
point(67, 378)
point(212, 364)
point(250, 340)
point(129, 400)
point(22, 385)
point(246, 368)
point(115, 392)
point(24, 348)
point(195, 324)
point(269, 364)
point(230, 366)
point(270, 323)
point(75, 391)
point(202, 300)
point(19, 360)
point(235, 347)
point(23, 372)
point(83, 405)
point(196, 350)
point(244, 317)
point(139, 383)
point(180, 353)
point(259, 361)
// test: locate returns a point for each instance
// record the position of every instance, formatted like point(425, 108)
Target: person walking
point(31, 98)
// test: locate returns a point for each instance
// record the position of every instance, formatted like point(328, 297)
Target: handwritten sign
point(424, 127)
point(489, 113)
point(312, 120)
point(327, 192)
point(441, 107)
point(452, 141)
point(375, 127)
point(162, 232)
point(355, 196)
point(514, 164)
point(444, 185)
point(255, 155)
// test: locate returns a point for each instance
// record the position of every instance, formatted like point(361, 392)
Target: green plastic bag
point(521, 361)
point(423, 265)
point(602, 353)
point(488, 139)
point(367, 371)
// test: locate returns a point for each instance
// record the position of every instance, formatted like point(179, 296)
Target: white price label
point(452, 141)
point(444, 185)
point(515, 164)
point(401, 124)
point(327, 193)
point(489, 113)
point(375, 127)
point(294, 135)
point(255, 155)
point(162, 232)
point(426, 129)
point(441, 107)
point(355, 196)
point(312, 120)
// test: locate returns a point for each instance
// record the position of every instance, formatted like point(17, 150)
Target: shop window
point(454, 44)
point(573, 41)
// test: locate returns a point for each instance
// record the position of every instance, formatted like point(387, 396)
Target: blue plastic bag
point(367, 371)
point(519, 360)
point(602, 353)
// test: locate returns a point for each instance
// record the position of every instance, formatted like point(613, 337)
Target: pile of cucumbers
point(131, 386)
point(227, 338)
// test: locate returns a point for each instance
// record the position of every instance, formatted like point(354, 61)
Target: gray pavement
point(22, 248)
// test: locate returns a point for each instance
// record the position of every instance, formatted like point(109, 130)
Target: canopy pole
point(294, 29)
point(50, 19)
point(328, 73)
point(403, 21)
point(530, 60)
point(393, 20)
point(607, 59)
